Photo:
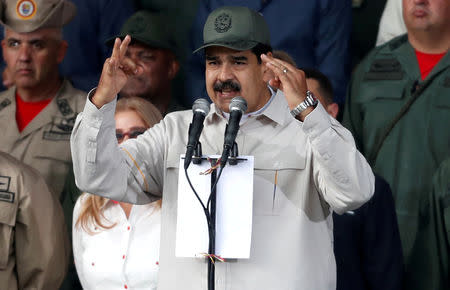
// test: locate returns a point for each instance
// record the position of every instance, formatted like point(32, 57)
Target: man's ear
point(61, 51)
point(174, 67)
point(333, 109)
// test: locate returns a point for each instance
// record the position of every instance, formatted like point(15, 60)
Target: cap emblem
point(26, 9)
point(222, 23)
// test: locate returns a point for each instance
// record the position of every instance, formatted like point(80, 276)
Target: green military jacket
point(382, 86)
point(44, 143)
point(433, 237)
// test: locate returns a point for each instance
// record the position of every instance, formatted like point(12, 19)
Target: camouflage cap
point(29, 15)
point(235, 27)
point(150, 28)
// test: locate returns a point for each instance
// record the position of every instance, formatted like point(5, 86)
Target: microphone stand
point(212, 212)
point(210, 209)
point(212, 232)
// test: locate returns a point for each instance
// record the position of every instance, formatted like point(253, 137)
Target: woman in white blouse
point(116, 244)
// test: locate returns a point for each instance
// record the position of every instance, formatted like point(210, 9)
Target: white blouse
point(123, 257)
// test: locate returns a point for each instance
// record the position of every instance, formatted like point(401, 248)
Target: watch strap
point(309, 101)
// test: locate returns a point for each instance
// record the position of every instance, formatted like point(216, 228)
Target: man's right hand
point(115, 73)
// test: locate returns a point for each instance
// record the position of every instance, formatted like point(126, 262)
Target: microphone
point(238, 106)
point(200, 108)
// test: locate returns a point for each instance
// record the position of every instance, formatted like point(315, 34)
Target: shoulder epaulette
point(396, 42)
point(4, 104)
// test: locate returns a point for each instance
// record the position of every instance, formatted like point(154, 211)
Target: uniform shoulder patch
point(5, 103)
point(64, 107)
point(5, 194)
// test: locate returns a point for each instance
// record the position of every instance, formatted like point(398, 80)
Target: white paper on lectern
point(192, 229)
point(233, 211)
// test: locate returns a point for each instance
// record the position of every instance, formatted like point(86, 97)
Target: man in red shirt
point(37, 114)
point(398, 108)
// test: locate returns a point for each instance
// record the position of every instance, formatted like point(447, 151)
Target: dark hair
point(260, 49)
point(325, 86)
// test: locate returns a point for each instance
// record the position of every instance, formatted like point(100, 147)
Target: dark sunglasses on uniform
point(132, 134)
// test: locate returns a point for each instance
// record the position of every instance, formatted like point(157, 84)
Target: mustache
point(227, 85)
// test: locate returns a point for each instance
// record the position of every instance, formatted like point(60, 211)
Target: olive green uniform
point(382, 86)
point(44, 143)
point(33, 238)
point(433, 237)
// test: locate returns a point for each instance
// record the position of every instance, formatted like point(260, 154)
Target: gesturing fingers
point(119, 60)
point(288, 78)
point(280, 68)
point(109, 66)
point(124, 46)
point(128, 66)
point(116, 49)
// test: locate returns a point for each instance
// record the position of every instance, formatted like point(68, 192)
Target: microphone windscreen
point(201, 105)
point(238, 103)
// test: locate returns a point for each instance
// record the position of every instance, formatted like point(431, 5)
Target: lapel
point(407, 57)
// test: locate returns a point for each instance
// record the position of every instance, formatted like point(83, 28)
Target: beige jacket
point(33, 237)
point(44, 143)
point(315, 165)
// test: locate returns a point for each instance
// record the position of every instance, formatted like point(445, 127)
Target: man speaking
point(306, 164)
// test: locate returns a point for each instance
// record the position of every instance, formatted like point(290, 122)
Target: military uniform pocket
point(8, 212)
point(438, 133)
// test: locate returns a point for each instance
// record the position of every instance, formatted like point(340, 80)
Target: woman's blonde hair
point(91, 213)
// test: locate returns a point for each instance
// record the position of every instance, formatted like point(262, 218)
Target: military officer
point(37, 114)
point(33, 238)
point(398, 110)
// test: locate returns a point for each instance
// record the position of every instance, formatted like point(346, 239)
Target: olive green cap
point(150, 28)
point(235, 27)
point(24, 16)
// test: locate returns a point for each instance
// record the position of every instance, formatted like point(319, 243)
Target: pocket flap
point(8, 213)
point(280, 161)
point(386, 89)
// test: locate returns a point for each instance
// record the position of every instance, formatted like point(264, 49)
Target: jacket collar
point(277, 110)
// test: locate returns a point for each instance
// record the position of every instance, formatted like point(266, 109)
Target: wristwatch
point(309, 101)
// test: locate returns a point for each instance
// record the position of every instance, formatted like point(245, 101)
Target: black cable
point(213, 188)
point(211, 226)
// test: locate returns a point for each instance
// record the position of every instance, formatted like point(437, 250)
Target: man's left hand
point(290, 80)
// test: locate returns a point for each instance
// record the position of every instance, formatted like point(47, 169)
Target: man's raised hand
point(115, 73)
point(290, 80)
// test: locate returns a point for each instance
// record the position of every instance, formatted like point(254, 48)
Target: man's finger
point(116, 49)
point(124, 46)
point(108, 67)
point(282, 73)
point(128, 66)
point(278, 62)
